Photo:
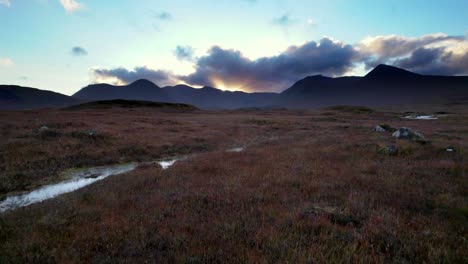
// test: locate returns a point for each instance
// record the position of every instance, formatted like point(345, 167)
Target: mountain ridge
point(384, 85)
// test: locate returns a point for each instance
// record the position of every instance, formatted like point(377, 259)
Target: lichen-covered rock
point(390, 150)
point(407, 133)
point(379, 129)
point(43, 129)
point(45, 132)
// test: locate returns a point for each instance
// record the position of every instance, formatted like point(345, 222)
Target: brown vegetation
point(311, 186)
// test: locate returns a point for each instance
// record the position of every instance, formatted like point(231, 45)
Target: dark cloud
point(435, 54)
point(124, 76)
point(435, 61)
point(79, 51)
point(420, 58)
point(186, 53)
point(386, 49)
point(232, 69)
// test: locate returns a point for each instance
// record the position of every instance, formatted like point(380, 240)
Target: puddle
point(78, 181)
point(421, 117)
point(167, 163)
point(239, 149)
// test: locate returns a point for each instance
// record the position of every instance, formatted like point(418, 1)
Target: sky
point(248, 45)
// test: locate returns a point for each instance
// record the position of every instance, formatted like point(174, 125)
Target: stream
point(77, 180)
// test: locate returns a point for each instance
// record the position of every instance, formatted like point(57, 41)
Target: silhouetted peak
point(183, 86)
point(317, 77)
point(387, 71)
point(208, 88)
point(143, 83)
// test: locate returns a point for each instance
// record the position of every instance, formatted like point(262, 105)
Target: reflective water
point(77, 181)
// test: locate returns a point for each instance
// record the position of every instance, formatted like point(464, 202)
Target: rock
point(91, 133)
point(390, 150)
point(384, 128)
point(450, 149)
point(379, 129)
point(406, 133)
point(92, 175)
point(45, 132)
point(43, 129)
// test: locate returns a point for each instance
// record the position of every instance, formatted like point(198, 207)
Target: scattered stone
point(388, 128)
point(379, 129)
point(450, 149)
point(406, 133)
point(384, 128)
point(390, 150)
point(45, 132)
point(91, 133)
point(43, 129)
point(92, 175)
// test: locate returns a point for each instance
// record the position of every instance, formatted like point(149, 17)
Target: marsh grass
point(294, 195)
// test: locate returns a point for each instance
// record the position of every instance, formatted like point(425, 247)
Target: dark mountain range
point(206, 97)
point(14, 97)
point(209, 97)
point(139, 90)
point(385, 85)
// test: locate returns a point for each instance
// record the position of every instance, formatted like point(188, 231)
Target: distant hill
point(119, 103)
point(383, 86)
point(139, 90)
point(207, 97)
point(212, 98)
point(14, 97)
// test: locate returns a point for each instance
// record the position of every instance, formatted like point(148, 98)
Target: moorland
point(303, 186)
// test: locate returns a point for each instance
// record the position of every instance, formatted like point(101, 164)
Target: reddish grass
point(311, 187)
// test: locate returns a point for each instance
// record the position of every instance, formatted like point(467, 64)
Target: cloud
point(311, 22)
point(429, 54)
point(436, 61)
point(71, 5)
point(122, 76)
point(5, 2)
point(165, 16)
point(230, 69)
point(6, 62)
point(436, 54)
point(184, 53)
point(79, 51)
point(382, 49)
point(284, 21)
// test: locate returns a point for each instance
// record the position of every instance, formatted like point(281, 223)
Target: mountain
point(206, 97)
point(138, 90)
point(212, 98)
point(385, 85)
point(14, 97)
point(386, 72)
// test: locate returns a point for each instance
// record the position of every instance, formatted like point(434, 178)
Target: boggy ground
point(311, 186)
